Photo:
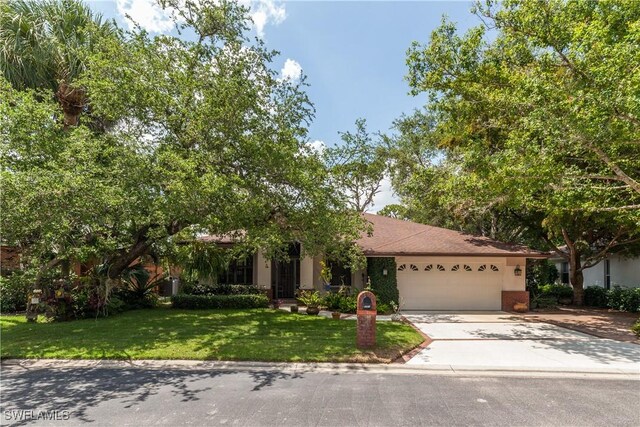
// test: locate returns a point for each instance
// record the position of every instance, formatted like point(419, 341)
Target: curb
point(394, 368)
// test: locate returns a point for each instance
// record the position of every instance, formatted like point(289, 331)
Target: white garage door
point(450, 286)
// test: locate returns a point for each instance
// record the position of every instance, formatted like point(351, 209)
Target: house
point(436, 268)
point(613, 270)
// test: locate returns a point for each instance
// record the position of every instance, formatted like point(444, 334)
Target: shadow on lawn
point(79, 390)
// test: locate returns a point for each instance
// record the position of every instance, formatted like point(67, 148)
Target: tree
point(206, 138)
point(41, 45)
point(357, 166)
point(538, 123)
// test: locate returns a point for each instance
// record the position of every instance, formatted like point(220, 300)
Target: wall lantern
point(384, 272)
point(517, 271)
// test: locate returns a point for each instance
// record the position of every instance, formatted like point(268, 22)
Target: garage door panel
point(459, 289)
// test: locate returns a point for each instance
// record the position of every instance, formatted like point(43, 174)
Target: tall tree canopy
point(204, 138)
point(533, 117)
point(357, 166)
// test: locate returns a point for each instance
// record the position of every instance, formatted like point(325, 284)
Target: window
point(414, 267)
point(483, 267)
point(402, 267)
point(428, 267)
point(607, 274)
point(340, 275)
point(467, 268)
point(455, 267)
point(239, 272)
point(564, 273)
point(494, 268)
point(440, 267)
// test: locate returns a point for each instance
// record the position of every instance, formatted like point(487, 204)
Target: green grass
point(259, 334)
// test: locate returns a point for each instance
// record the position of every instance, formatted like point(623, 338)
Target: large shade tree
point(535, 118)
point(205, 138)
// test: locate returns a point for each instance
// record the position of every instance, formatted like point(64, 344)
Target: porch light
point(384, 271)
point(517, 271)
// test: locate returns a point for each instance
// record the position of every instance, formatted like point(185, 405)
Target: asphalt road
point(247, 397)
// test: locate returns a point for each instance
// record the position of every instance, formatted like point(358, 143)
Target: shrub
point(546, 301)
point(624, 299)
point(219, 301)
point(384, 287)
point(310, 298)
point(191, 288)
point(349, 304)
point(14, 292)
point(556, 291)
point(384, 308)
point(595, 296)
point(636, 328)
point(332, 301)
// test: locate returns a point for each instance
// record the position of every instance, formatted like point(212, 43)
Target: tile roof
point(397, 237)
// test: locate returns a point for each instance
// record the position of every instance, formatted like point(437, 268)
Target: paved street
point(486, 340)
point(258, 396)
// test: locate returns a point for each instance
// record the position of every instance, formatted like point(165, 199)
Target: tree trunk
point(576, 278)
point(72, 100)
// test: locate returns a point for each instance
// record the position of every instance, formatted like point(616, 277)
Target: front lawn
point(259, 334)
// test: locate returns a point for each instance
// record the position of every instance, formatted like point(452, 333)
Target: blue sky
point(353, 53)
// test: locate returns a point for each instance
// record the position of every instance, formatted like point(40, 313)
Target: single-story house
point(613, 270)
point(436, 268)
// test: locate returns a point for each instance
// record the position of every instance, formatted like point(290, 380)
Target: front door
point(285, 275)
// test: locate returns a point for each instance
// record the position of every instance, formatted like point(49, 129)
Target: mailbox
point(366, 320)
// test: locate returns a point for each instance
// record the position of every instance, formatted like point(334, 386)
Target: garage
point(441, 285)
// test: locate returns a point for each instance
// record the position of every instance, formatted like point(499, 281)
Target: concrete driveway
point(499, 341)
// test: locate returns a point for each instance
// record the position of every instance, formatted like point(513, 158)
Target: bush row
point(13, 294)
point(623, 299)
point(219, 301)
point(219, 289)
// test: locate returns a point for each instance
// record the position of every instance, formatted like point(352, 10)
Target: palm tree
point(41, 46)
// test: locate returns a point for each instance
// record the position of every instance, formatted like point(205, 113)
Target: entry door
point(284, 276)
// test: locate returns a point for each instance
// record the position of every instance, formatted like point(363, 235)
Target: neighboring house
point(613, 270)
point(437, 268)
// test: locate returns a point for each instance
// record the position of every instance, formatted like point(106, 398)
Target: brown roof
point(396, 237)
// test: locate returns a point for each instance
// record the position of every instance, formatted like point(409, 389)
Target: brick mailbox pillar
point(366, 328)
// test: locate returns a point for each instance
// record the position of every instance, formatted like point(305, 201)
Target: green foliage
point(14, 290)
point(530, 133)
point(333, 300)
point(617, 298)
point(595, 296)
point(357, 166)
point(219, 301)
point(545, 302)
point(192, 288)
point(198, 135)
point(556, 291)
point(310, 298)
point(384, 287)
point(636, 328)
point(384, 308)
point(540, 272)
point(624, 299)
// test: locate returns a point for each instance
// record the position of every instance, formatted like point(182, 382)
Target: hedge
point(384, 287)
point(219, 289)
point(219, 301)
point(13, 293)
point(623, 299)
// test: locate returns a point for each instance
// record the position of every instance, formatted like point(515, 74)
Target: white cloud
point(385, 197)
point(146, 13)
point(291, 71)
point(317, 146)
point(265, 12)
point(150, 16)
